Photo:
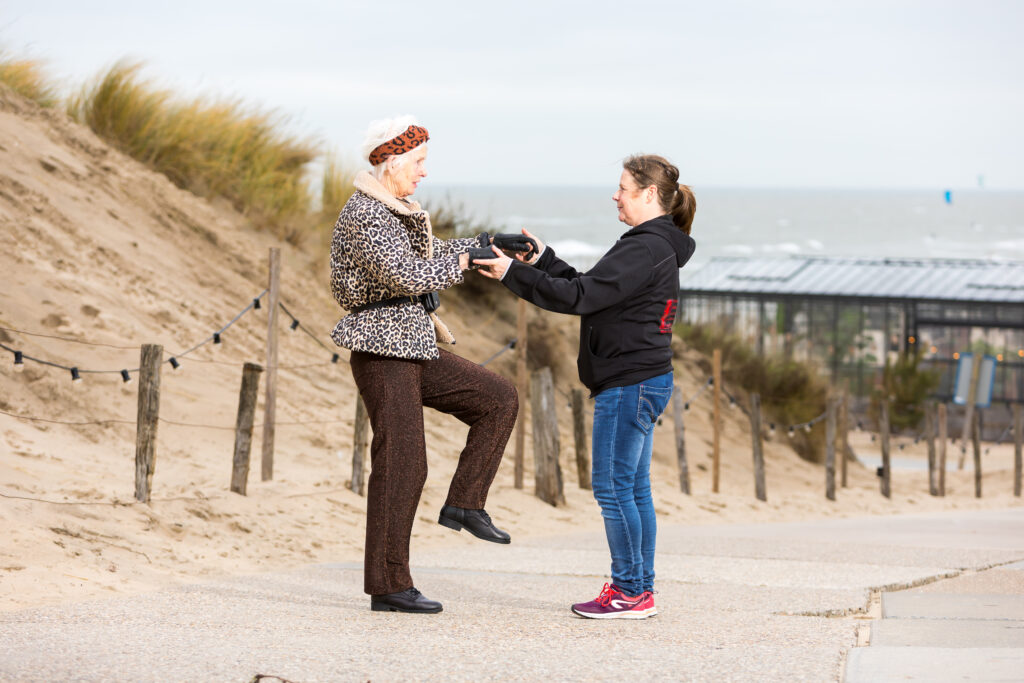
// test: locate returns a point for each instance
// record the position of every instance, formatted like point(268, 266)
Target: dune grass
point(214, 148)
point(27, 78)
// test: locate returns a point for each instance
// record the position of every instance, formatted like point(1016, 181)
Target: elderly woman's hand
point(494, 268)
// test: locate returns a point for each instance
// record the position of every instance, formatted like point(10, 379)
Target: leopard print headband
point(413, 137)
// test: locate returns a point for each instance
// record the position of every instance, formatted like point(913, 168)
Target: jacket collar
point(370, 186)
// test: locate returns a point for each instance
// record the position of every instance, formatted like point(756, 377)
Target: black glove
point(478, 253)
point(510, 241)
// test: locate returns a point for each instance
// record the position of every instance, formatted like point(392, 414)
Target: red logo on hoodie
point(669, 316)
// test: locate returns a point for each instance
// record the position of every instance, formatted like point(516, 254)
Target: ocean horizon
point(580, 222)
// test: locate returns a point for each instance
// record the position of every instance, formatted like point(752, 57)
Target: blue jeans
point(624, 419)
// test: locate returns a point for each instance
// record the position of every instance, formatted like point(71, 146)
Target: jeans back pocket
point(651, 404)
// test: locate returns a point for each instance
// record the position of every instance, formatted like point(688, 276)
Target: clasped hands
point(493, 260)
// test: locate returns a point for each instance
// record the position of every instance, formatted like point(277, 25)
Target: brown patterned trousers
point(395, 391)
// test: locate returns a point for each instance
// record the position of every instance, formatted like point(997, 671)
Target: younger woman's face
point(629, 198)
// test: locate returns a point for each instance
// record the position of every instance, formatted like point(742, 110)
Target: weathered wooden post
point(146, 421)
point(844, 434)
point(943, 438)
point(755, 435)
point(361, 438)
point(1018, 446)
point(547, 471)
point(929, 435)
point(270, 398)
point(523, 389)
point(716, 378)
point(883, 436)
point(976, 443)
point(969, 409)
point(680, 432)
point(830, 448)
point(579, 428)
point(243, 426)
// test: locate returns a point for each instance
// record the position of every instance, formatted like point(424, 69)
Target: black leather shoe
point(476, 522)
point(410, 600)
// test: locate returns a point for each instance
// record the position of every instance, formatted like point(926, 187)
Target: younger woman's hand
point(532, 258)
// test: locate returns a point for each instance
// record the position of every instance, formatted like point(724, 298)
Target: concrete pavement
point(771, 602)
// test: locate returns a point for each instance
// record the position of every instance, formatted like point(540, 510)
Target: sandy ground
point(95, 248)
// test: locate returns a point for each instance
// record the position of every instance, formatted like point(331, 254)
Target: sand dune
point(99, 249)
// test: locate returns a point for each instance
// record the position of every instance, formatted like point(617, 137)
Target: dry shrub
point(791, 392)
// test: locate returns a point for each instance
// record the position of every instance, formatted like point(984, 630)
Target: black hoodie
point(627, 302)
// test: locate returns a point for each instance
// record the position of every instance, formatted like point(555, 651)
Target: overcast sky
point(738, 93)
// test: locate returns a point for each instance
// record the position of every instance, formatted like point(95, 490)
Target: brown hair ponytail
point(676, 200)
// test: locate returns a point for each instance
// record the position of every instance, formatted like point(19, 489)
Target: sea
point(581, 224)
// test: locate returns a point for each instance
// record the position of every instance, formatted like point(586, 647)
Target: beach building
point(850, 315)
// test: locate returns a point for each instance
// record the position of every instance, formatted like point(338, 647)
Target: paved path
point(772, 602)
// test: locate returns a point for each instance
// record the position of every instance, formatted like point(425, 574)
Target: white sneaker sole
point(618, 615)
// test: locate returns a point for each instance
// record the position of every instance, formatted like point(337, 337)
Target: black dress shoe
point(409, 600)
point(476, 522)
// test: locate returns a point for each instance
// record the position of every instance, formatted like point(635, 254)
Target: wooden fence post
point(546, 444)
point(883, 436)
point(1018, 446)
point(716, 375)
point(976, 442)
point(844, 434)
point(243, 426)
point(361, 438)
point(146, 421)
point(680, 432)
point(929, 435)
point(579, 424)
point(755, 435)
point(270, 398)
point(523, 389)
point(830, 448)
point(943, 439)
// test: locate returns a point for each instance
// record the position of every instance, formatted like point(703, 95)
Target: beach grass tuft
point(27, 78)
point(212, 147)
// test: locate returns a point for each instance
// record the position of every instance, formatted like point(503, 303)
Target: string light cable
point(76, 372)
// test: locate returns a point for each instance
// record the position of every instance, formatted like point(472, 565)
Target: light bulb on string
point(792, 431)
point(19, 361)
point(216, 337)
point(874, 437)
point(860, 426)
point(901, 446)
point(126, 377)
point(76, 377)
point(807, 428)
point(771, 427)
point(256, 304)
point(686, 406)
point(732, 403)
point(174, 363)
point(334, 358)
point(295, 324)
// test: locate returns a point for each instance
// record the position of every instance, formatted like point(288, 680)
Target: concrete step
point(933, 664)
point(948, 606)
point(958, 633)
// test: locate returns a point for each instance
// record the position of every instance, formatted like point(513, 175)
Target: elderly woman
point(627, 304)
point(386, 269)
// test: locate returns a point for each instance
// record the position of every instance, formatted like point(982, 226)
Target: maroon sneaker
point(614, 604)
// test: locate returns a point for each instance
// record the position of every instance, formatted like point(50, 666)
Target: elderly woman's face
point(406, 177)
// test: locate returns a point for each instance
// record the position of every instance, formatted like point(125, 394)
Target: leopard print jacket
point(383, 248)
